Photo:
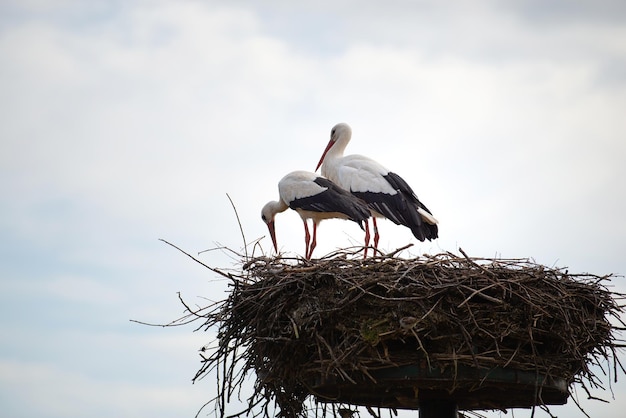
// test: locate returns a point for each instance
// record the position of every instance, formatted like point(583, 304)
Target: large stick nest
point(297, 323)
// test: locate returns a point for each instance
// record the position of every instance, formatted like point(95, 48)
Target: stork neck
point(336, 151)
point(278, 206)
point(333, 158)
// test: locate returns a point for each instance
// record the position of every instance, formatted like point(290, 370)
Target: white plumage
point(316, 198)
point(386, 193)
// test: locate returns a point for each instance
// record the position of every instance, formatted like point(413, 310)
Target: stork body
point(386, 193)
point(316, 198)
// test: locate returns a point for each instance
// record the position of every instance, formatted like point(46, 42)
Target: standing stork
point(386, 193)
point(313, 197)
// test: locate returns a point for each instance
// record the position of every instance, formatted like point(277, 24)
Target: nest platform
point(391, 332)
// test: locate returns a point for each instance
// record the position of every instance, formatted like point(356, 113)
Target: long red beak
point(328, 147)
point(270, 226)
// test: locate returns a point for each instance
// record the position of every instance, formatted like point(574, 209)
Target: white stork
point(385, 192)
point(313, 197)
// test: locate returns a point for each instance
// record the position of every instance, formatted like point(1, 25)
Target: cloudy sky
point(122, 122)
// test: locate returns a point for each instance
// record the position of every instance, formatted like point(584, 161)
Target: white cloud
point(44, 390)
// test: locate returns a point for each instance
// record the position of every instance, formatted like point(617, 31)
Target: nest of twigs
point(300, 324)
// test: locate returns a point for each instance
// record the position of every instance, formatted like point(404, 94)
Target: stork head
point(340, 132)
point(268, 214)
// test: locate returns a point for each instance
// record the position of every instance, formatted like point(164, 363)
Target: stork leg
point(367, 238)
point(376, 236)
point(313, 241)
point(307, 237)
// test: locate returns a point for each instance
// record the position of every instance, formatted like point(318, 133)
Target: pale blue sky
point(122, 122)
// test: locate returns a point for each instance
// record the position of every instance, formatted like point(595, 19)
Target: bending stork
point(316, 198)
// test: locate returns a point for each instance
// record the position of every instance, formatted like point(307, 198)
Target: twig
point(213, 269)
point(243, 236)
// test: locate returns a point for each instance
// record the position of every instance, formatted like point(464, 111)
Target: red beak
point(270, 226)
point(329, 146)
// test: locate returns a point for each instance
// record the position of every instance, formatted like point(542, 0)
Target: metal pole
point(438, 408)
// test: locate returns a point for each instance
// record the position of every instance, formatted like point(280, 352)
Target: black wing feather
point(401, 208)
point(333, 199)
